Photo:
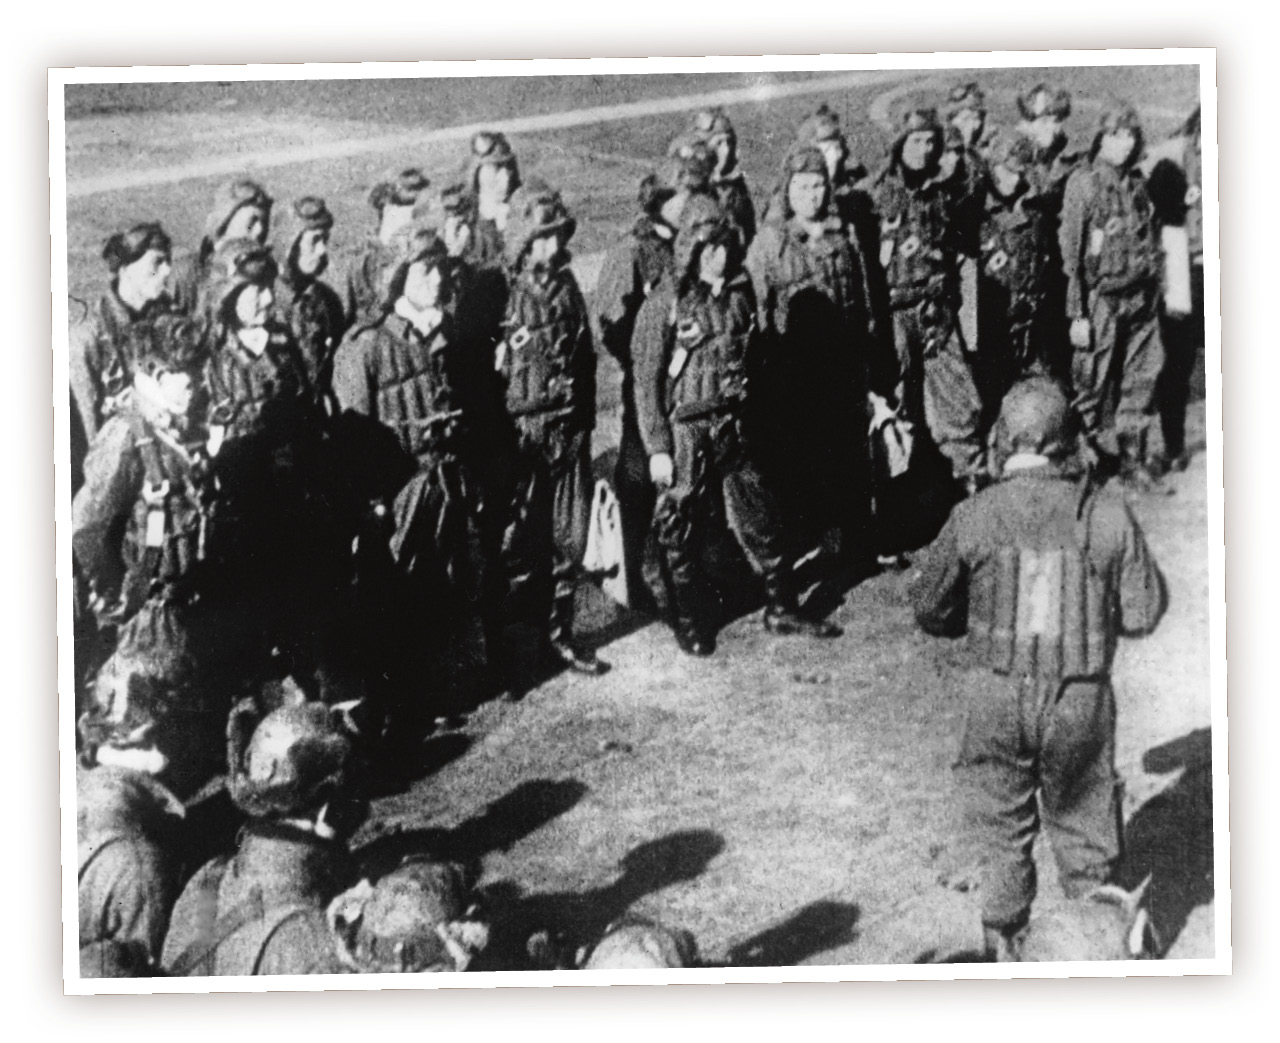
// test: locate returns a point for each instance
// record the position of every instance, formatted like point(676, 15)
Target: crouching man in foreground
point(1044, 574)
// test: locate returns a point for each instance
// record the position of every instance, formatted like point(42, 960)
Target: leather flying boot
point(1134, 472)
point(687, 610)
point(782, 615)
point(561, 641)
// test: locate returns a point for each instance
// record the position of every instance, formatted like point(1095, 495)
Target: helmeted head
point(702, 224)
point(168, 355)
point(417, 246)
point(1119, 137)
point(139, 261)
point(805, 184)
point(966, 111)
point(305, 230)
point(634, 943)
point(715, 128)
point(537, 212)
point(394, 198)
point(154, 704)
point(1009, 157)
point(493, 169)
point(1044, 110)
point(692, 162)
point(290, 763)
point(168, 343)
point(418, 918)
point(241, 281)
point(1036, 417)
point(450, 212)
point(404, 188)
point(921, 136)
point(653, 193)
point(241, 210)
point(821, 130)
point(1043, 100)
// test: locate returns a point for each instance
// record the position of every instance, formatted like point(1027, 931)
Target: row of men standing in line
point(818, 289)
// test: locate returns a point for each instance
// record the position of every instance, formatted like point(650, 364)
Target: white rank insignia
point(997, 261)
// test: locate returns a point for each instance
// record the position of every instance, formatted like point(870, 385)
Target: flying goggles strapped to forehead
point(920, 117)
point(245, 261)
point(1043, 100)
point(823, 125)
point(124, 248)
point(491, 146)
point(966, 96)
point(231, 197)
point(402, 189)
point(1119, 116)
point(805, 159)
point(312, 214)
point(170, 343)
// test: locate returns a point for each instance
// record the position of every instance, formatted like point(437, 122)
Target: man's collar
point(1025, 462)
point(425, 321)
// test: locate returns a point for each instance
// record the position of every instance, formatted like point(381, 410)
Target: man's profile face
point(146, 277)
point(249, 222)
point(313, 249)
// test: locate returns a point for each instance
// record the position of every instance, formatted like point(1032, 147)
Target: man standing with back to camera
point(1043, 575)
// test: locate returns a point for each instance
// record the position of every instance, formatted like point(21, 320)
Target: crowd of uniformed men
point(308, 514)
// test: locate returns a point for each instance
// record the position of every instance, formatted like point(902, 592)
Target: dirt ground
point(787, 801)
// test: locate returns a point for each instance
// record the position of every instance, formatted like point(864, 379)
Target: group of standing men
point(345, 494)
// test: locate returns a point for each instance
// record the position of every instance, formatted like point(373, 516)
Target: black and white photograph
point(639, 521)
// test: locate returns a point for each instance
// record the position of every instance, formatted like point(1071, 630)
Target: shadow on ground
point(510, 818)
point(1170, 837)
point(812, 929)
point(574, 919)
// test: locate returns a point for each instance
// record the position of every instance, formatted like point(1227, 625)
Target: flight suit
point(920, 248)
point(1046, 181)
point(314, 314)
point(818, 360)
point(1014, 257)
point(632, 271)
point(1111, 259)
point(362, 292)
point(695, 356)
point(263, 411)
point(445, 521)
point(262, 911)
point(128, 862)
point(101, 360)
point(1174, 185)
point(549, 366)
point(1044, 579)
